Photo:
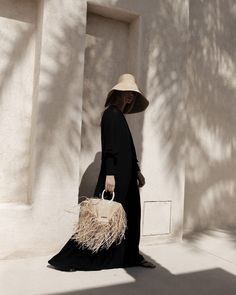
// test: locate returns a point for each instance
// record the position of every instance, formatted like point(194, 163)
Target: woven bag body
point(101, 223)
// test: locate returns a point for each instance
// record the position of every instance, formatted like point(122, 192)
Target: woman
point(119, 173)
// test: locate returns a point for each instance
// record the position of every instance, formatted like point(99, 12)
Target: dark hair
point(115, 99)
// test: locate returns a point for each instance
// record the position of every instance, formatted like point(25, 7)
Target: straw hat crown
point(126, 82)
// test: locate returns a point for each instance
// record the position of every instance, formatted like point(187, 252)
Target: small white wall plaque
point(156, 218)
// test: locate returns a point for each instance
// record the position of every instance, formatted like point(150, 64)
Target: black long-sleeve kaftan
point(118, 159)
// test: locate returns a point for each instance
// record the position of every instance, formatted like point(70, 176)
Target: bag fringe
point(94, 234)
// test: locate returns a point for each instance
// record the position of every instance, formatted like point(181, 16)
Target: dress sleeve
point(110, 138)
point(137, 165)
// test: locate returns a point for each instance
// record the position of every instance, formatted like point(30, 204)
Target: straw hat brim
point(141, 102)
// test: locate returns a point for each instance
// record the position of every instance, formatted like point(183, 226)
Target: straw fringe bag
point(101, 223)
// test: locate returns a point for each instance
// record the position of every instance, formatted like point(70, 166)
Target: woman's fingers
point(110, 188)
point(110, 183)
point(141, 179)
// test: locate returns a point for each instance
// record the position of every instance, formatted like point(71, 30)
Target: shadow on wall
point(23, 10)
point(89, 179)
point(211, 139)
point(168, 81)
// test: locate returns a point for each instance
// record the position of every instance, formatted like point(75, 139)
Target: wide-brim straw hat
point(126, 82)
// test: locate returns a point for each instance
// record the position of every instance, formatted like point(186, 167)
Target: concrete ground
point(203, 263)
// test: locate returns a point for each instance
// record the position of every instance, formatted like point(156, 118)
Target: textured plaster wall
point(17, 51)
point(210, 191)
point(39, 224)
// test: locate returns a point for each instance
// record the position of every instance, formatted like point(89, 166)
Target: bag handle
point(113, 195)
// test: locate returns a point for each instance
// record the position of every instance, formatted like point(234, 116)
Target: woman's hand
point(110, 183)
point(140, 179)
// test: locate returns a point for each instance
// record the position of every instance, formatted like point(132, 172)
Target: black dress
point(118, 159)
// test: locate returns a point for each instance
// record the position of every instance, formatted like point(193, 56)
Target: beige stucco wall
point(71, 61)
point(17, 51)
point(210, 191)
point(37, 225)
